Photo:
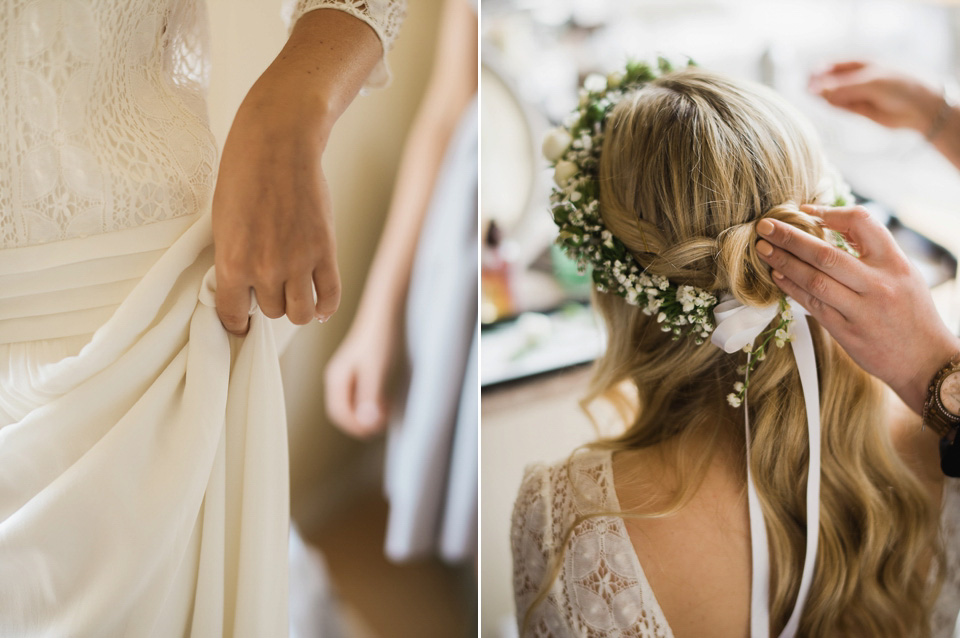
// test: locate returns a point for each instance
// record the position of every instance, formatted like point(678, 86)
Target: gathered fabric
point(143, 481)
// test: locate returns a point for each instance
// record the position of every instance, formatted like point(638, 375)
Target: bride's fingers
point(326, 278)
point(233, 304)
point(298, 294)
point(270, 298)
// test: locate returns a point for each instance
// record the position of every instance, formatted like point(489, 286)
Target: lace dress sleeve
point(532, 543)
point(383, 16)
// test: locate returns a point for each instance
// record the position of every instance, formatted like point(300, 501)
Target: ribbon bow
point(738, 325)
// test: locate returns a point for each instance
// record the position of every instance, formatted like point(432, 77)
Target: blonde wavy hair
point(690, 163)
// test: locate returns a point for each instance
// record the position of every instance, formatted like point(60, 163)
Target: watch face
point(950, 392)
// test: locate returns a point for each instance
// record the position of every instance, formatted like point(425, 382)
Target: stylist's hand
point(886, 97)
point(272, 221)
point(878, 307)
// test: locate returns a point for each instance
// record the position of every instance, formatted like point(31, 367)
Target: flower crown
point(574, 152)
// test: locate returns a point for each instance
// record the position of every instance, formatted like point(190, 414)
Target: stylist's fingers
point(829, 317)
point(820, 286)
point(846, 66)
point(796, 245)
point(871, 238)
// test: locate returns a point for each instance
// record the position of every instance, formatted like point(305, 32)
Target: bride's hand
point(272, 218)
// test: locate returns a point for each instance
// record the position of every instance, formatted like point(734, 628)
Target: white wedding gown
point(601, 588)
point(143, 452)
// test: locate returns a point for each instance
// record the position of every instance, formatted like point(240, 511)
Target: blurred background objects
point(538, 333)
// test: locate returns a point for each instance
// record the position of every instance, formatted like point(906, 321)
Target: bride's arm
point(272, 218)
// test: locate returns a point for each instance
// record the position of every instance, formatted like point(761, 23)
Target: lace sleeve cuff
point(383, 16)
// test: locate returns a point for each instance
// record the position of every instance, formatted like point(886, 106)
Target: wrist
point(929, 106)
point(914, 391)
point(279, 100)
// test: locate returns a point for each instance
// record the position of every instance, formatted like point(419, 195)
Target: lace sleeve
point(532, 543)
point(383, 16)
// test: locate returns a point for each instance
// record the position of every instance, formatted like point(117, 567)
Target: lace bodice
point(601, 589)
point(104, 113)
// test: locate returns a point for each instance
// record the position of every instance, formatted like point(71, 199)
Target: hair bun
point(740, 269)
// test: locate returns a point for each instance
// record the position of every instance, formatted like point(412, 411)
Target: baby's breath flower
point(574, 151)
point(738, 386)
point(748, 348)
point(734, 400)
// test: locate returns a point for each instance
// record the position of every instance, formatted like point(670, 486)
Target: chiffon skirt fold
point(143, 469)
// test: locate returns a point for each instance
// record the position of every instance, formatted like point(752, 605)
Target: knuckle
point(784, 237)
point(818, 284)
point(827, 257)
point(815, 304)
point(860, 213)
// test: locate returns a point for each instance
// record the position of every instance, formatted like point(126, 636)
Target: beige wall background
point(360, 163)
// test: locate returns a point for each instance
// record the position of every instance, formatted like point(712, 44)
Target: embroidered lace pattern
point(601, 589)
point(383, 16)
point(104, 118)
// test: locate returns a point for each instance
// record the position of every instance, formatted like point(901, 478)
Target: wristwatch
point(941, 413)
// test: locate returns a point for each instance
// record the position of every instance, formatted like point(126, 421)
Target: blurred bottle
point(496, 294)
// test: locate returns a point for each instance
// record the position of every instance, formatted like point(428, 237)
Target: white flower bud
point(738, 386)
point(661, 317)
point(595, 83)
point(733, 400)
point(563, 171)
point(555, 144)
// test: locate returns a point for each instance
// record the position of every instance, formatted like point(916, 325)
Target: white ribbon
point(738, 325)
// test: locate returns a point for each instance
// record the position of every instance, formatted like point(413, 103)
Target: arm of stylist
point(893, 100)
point(878, 307)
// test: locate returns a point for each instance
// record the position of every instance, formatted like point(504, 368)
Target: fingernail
point(765, 227)
point(368, 413)
point(776, 274)
point(764, 248)
point(323, 318)
point(810, 208)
